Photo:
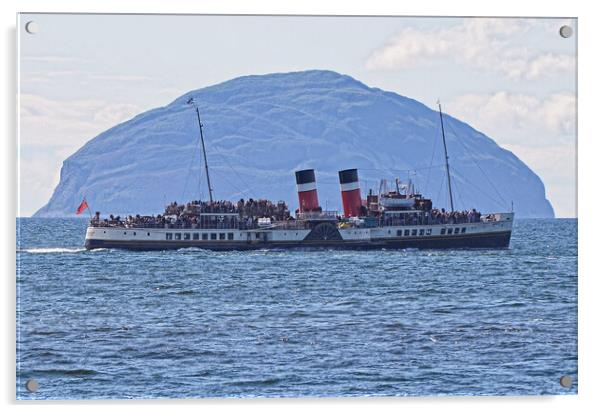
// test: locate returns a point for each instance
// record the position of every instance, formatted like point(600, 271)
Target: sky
point(513, 79)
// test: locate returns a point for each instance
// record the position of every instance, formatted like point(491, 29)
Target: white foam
point(52, 250)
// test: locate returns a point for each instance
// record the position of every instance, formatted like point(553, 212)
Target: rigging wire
point(201, 191)
point(223, 176)
point(225, 160)
point(427, 182)
point(458, 194)
point(401, 170)
point(497, 201)
point(428, 177)
point(192, 159)
point(441, 185)
point(478, 166)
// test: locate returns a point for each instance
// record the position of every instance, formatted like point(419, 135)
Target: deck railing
point(302, 222)
point(239, 225)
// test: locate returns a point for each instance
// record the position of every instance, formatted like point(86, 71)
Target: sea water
point(288, 323)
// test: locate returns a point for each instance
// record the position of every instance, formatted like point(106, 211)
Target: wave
point(52, 250)
point(59, 250)
point(64, 372)
point(191, 249)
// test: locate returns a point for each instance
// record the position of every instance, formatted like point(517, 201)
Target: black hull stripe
point(489, 240)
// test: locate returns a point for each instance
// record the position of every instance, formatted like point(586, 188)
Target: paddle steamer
point(395, 217)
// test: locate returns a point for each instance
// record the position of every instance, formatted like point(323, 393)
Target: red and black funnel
point(307, 190)
point(350, 192)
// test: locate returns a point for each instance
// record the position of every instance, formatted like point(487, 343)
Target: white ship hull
point(494, 233)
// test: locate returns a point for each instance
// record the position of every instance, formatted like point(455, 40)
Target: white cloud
point(492, 44)
point(513, 118)
point(116, 113)
point(70, 123)
point(121, 78)
point(54, 59)
point(57, 75)
point(541, 132)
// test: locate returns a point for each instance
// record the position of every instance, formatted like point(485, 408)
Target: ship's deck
point(303, 221)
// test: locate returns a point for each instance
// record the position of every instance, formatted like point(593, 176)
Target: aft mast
point(449, 187)
point(198, 115)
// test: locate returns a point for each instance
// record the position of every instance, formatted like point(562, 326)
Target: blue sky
point(513, 79)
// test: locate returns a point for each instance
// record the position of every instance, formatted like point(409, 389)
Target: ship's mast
point(449, 187)
point(198, 115)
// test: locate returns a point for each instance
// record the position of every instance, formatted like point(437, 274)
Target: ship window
point(134, 233)
point(214, 236)
point(148, 234)
point(124, 233)
point(429, 231)
point(456, 230)
point(186, 235)
point(399, 233)
point(230, 235)
point(177, 235)
point(257, 235)
point(442, 231)
point(421, 232)
point(449, 231)
point(168, 236)
point(204, 236)
point(406, 232)
point(104, 232)
point(222, 235)
point(195, 235)
point(463, 230)
point(414, 232)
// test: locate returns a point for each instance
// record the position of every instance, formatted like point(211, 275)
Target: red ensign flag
point(82, 207)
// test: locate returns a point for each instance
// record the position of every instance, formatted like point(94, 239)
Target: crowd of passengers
point(262, 208)
point(435, 216)
point(190, 215)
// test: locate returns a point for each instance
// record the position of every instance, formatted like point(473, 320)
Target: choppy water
point(194, 323)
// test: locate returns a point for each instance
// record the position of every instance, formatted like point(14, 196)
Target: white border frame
point(588, 208)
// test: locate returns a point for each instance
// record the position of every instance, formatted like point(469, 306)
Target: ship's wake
point(59, 250)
